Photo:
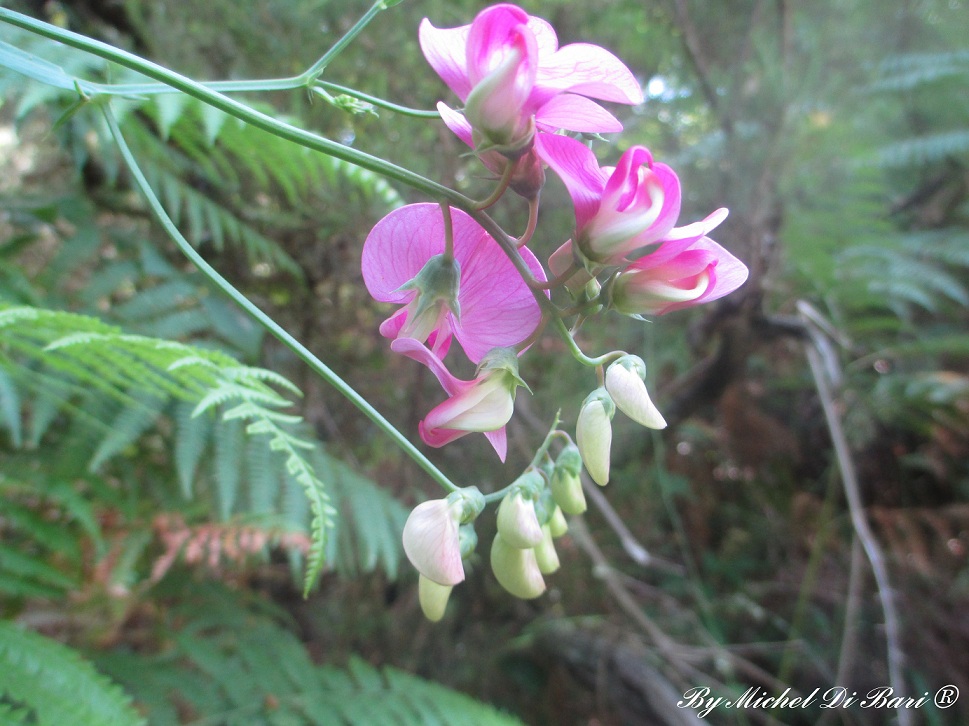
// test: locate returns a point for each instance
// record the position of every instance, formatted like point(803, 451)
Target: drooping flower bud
point(593, 434)
point(625, 383)
point(516, 569)
point(557, 524)
point(565, 484)
point(518, 521)
point(431, 535)
point(545, 554)
point(433, 598)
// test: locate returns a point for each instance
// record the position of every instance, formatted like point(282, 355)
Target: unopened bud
point(545, 554)
point(565, 484)
point(625, 383)
point(517, 522)
point(516, 570)
point(557, 524)
point(433, 598)
point(593, 434)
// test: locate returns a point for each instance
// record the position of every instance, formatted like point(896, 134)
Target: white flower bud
point(433, 598)
point(624, 382)
point(593, 434)
point(516, 570)
point(545, 554)
point(517, 522)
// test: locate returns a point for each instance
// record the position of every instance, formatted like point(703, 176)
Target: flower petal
point(431, 542)
point(446, 50)
point(498, 309)
point(681, 238)
point(456, 121)
point(590, 70)
point(576, 113)
point(727, 275)
point(416, 350)
point(576, 165)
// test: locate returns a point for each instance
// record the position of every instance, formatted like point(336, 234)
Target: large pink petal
point(576, 113)
point(545, 37)
point(401, 243)
point(576, 165)
point(446, 51)
point(591, 71)
point(498, 309)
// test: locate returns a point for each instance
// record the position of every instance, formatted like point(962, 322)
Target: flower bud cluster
point(523, 550)
point(625, 389)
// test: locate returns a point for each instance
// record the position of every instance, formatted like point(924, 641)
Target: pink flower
point(617, 210)
point(479, 297)
point(484, 404)
point(658, 283)
point(508, 69)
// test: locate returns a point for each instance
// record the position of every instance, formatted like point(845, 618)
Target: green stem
point(264, 320)
point(316, 70)
point(379, 102)
point(237, 109)
point(577, 352)
point(448, 231)
point(499, 190)
point(542, 450)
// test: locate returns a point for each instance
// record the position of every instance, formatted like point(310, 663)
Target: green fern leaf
point(56, 685)
point(191, 437)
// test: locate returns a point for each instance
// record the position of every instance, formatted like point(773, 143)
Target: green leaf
point(56, 686)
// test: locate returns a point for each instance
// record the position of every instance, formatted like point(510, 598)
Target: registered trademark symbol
point(946, 696)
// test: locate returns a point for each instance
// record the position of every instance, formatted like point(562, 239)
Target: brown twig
point(823, 371)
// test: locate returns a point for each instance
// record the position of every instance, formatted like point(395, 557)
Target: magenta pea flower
point(658, 284)
point(507, 68)
point(477, 297)
point(620, 210)
point(484, 404)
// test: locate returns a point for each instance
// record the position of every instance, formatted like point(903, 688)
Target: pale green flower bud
point(517, 522)
point(625, 383)
point(516, 570)
point(565, 483)
point(545, 554)
point(593, 434)
point(433, 598)
point(557, 524)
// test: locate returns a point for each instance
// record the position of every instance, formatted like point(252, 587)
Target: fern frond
point(145, 374)
point(56, 686)
point(924, 150)
point(256, 671)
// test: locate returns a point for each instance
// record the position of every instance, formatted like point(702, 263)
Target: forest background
point(151, 562)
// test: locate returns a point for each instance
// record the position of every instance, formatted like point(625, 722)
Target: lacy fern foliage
point(44, 683)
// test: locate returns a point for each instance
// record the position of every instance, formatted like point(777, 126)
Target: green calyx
point(438, 282)
point(634, 364)
point(471, 502)
point(504, 361)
